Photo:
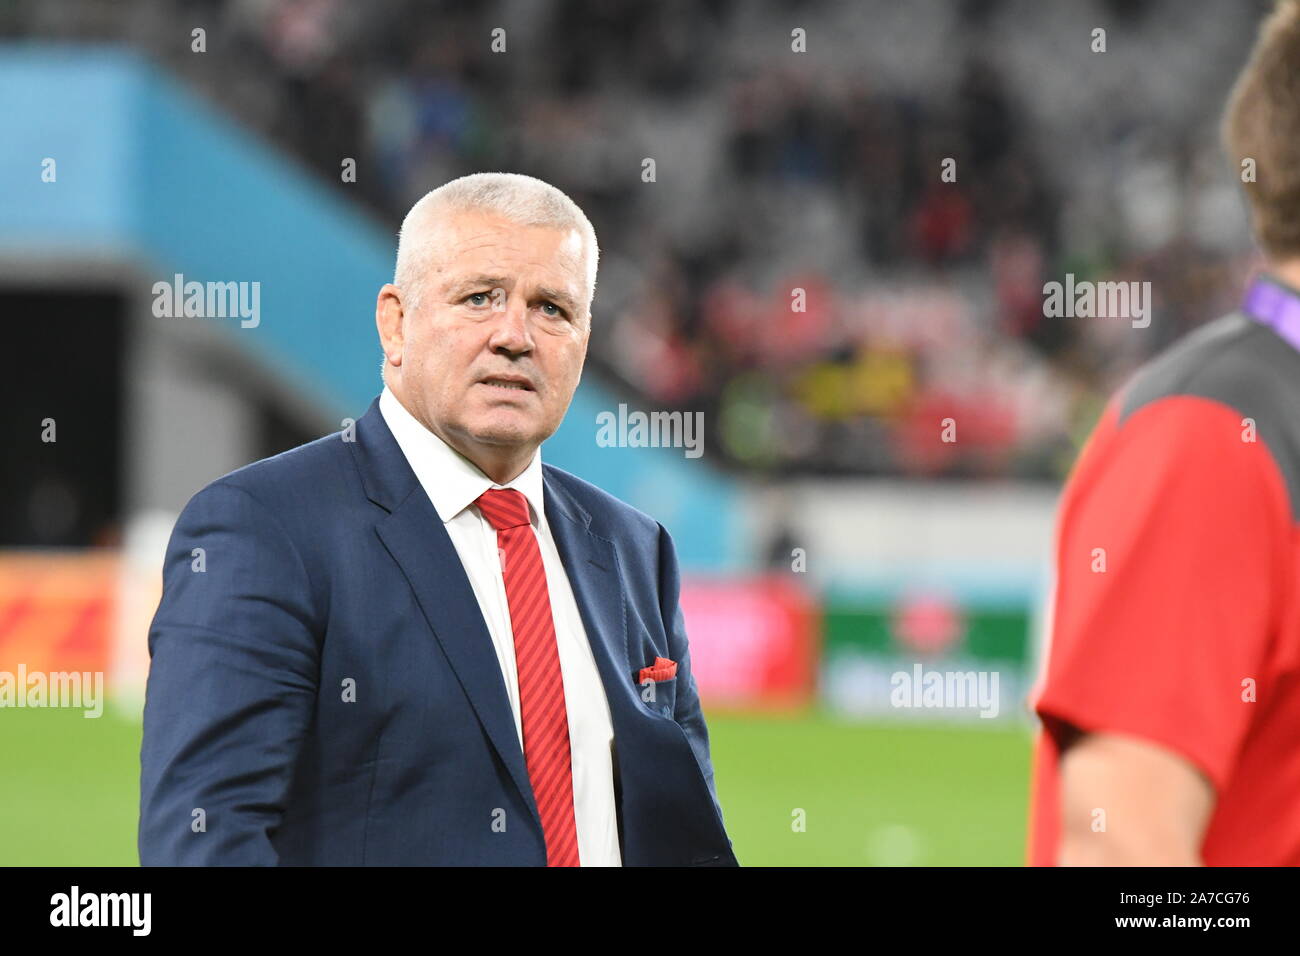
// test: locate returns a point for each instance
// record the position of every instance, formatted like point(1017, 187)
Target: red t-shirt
point(1175, 616)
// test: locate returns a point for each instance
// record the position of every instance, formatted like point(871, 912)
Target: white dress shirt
point(453, 484)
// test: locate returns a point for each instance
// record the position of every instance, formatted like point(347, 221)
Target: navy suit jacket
point(324, 691)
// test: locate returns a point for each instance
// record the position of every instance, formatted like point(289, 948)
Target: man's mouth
point(515, 383)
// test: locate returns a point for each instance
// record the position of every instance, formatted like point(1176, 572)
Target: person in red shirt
point(1170, 696)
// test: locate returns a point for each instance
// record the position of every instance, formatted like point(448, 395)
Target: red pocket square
point(663, 669)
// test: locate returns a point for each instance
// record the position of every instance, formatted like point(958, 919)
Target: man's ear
point(389, 319)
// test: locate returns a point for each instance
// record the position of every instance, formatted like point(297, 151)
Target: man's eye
point(476, 295)
point(551, 305)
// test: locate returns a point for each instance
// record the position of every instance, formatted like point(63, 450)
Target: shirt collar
point(451, 480)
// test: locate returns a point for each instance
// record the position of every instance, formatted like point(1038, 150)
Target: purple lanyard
point(1275, 306)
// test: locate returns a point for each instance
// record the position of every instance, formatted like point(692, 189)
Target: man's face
point(492, 356)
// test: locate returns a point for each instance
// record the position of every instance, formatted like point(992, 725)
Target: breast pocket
point(660, 696)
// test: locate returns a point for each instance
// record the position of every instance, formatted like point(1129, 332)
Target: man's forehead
point(487, 231)
point(490, 264)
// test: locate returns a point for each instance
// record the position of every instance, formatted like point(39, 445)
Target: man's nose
point(511, 332)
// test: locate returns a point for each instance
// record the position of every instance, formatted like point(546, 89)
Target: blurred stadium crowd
point(777, 171)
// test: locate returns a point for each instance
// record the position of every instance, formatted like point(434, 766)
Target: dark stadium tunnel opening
point(61, 417)
point(67, 415)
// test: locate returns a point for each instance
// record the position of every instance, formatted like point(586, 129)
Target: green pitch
point(871, 794)
point(69, 788)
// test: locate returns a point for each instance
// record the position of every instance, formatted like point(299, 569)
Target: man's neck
point(1288, 270)
point(502, 464)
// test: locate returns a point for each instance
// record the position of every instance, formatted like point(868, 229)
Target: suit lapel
point(592, 568)
point(416, 538)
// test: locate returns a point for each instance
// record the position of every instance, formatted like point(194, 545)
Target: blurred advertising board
point(754, 641)
point(927, 656)
point(57, 610)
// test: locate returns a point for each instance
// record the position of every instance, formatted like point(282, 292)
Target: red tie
point(537, 662)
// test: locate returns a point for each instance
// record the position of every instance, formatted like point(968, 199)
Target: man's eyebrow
point(560, 296)
point(495, 282)
point(479, 280)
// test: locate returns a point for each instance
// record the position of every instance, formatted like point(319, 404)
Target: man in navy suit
point(411, 642)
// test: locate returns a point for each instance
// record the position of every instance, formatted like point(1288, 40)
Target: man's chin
point(507, 431)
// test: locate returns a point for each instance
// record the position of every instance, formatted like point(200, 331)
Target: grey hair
point(513, 196)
